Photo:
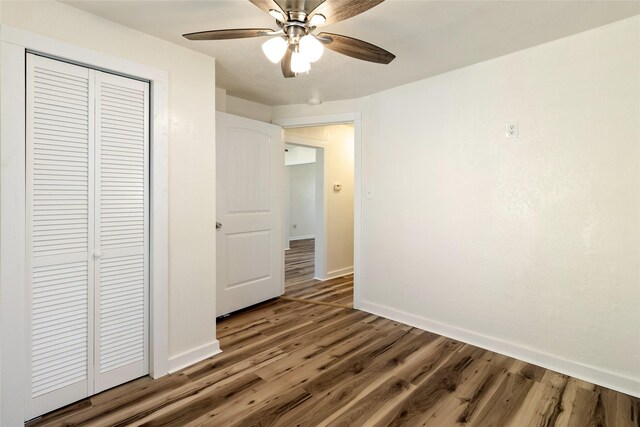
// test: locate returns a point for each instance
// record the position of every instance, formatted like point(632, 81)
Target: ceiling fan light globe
point(278, 15)
point(317, 19)
point(311, 48)
point(274, 49)
point(299, 64)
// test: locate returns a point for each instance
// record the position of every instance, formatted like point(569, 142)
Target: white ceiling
point(428, 38)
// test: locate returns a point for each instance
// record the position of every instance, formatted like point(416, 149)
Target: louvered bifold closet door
point(122, 230)
point(59, 271)
point(87, 232)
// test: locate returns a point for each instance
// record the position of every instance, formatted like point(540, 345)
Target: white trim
point(330, 119)
point(339, 273)
point(582, 371)
point(308, 236)
point(12, 234)
point(193, 356)
point(13, 44)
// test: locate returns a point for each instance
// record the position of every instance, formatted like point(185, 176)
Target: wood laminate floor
point(288, 363)
point(300, 284)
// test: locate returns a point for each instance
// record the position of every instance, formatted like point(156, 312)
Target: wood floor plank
point(628, 412)
point(225, 367)
point(267, 395)
point(475, 390)
point(433, 356)
point(330, 304)
point(505, 402)
point(364, 410)
point(272, 413)
point(160, 403)
point(182, 412)
point(586, 409)
point(543, 404)
point(316, 354)
point(420, 404)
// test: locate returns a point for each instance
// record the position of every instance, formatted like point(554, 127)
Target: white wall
point(241, 107)
point(249, 109)
point(338, 143)
point(302, 201)
point(191, 155)
point(326, 108)
point(528, 246)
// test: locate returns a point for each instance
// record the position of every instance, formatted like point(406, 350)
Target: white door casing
point(249, 188)
point(87, 232)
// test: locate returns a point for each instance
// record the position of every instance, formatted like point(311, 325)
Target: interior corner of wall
point(221, 100)
point(193, 356)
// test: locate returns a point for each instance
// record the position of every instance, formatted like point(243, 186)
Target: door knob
point(97, 255)
point(218, 225)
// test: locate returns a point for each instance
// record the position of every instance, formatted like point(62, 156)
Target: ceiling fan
point(295, 45)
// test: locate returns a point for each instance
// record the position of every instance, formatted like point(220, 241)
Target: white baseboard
point(338, 273)
point(578, 370)
point(195, 355)
point(308, 236)
point(335, 273)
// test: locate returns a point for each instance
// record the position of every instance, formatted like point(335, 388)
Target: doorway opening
point(319, 214)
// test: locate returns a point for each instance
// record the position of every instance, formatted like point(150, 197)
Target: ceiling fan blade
point(339, 10)
point(236, 33)
point(267, 5)
point(356, 48)
point(306, 6)
point(285, 64)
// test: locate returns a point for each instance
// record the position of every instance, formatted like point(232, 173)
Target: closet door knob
point(97, 255)
point(218, 225)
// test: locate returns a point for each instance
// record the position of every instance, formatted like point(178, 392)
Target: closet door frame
point(14, 44)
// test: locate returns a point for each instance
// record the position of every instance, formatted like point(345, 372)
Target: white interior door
point(249, 203)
